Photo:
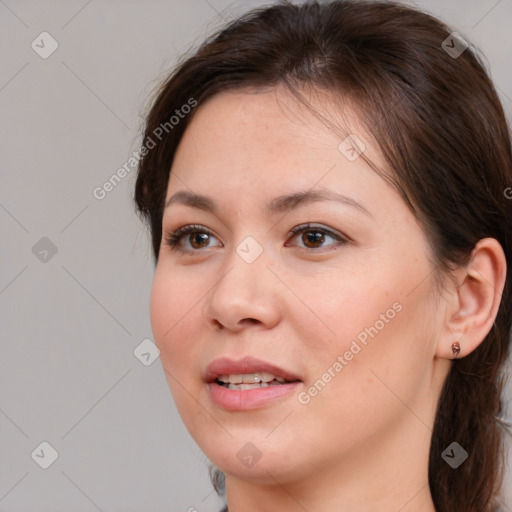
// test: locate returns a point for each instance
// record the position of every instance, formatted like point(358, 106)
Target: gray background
point(70, 323)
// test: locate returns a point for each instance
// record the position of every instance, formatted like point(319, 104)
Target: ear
point(474, 301)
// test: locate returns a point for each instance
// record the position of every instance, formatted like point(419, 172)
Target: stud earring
point(455, 349)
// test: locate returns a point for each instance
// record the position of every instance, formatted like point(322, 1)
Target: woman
point(326, 191)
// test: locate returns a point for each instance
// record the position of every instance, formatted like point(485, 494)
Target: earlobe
point(475, 301)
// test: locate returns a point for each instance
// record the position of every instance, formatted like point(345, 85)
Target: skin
point(362, 443)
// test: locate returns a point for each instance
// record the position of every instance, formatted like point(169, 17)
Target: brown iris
point(313, 237)
point(201, 239)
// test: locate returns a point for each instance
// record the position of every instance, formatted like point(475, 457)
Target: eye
point(314, 237)
point(198, 238)
point(193, 237)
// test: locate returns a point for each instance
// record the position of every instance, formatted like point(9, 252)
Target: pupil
point(314, 237)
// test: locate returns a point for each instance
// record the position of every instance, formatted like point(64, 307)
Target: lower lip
point(244, 400)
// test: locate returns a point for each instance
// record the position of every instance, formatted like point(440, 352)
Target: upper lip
point(226, 366)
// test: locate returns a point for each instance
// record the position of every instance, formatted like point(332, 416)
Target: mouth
point(248, 383)
point(248, 371)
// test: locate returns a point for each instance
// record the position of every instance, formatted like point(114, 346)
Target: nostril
point(217, 326)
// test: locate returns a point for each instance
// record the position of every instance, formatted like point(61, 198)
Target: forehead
point(273, 134)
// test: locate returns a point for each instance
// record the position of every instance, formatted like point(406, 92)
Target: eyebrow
point(277, 205)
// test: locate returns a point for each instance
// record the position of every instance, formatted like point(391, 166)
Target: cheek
point(378, 298)
point(163, 306)
point(374, 335)
point(174, 311)
point(176, 321)
point(347, 307)
point(175, 303)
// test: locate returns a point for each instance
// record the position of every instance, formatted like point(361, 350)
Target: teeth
point(249, 378)
point(242, 387)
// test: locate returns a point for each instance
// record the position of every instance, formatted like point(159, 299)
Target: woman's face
point(344, 309)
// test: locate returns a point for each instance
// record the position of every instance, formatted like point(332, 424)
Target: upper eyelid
point(187, 228)
point(311, 226)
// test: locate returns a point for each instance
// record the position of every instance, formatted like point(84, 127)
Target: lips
point(230, 388)
point(227, 389)
point(248, 365)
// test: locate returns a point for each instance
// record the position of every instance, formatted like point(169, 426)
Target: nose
point(247, 294)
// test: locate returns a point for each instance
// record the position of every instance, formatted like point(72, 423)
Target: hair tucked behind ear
point(440, 126)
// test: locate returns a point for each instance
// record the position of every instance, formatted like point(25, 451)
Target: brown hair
point(440, 126)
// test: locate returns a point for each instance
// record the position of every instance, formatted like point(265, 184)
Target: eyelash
point(173, 239)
